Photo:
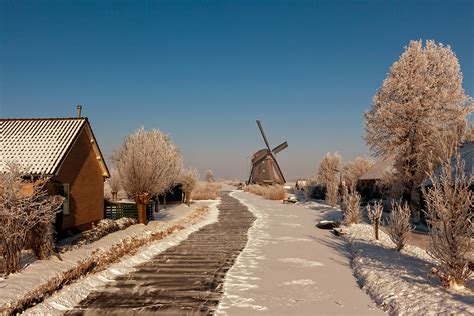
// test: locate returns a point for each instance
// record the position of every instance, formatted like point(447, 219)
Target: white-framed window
point(66, 198)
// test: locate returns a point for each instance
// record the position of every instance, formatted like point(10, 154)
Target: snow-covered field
point(401, 282)
point(19, 285)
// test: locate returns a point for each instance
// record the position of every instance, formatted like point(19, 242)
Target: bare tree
point(375, 215)
point(25, 210)
point(188, 181)
point(329, 167)
point(449, 202)
point(149, 164)
point(352, 211)
point(353, 170)
point(421, 98)
point(209, 176)
point(399, 224)
point(115, 183)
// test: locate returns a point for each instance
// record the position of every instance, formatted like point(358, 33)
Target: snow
point(299, 282)
point(17, 286)
point(301, 262)
point(401, 282)
point(289, 267)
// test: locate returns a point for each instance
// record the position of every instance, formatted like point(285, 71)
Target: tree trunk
point(376, 226)
point(142, 202)
point(12, 255)
point(187, 196)
point(114, 195)
point(164, 201)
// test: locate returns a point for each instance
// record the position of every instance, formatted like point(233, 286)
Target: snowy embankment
point(401, 283)
point(43, 278)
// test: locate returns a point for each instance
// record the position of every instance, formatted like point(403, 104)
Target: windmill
point(265, 168)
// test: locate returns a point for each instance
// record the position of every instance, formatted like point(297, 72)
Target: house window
point(66, 198)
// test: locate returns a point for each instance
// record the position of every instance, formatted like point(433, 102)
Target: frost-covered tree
point(375, 215)
point(149, 164)
point(449, 202)
point(114, 183)
point(399, 227)
point(329, 168)
point(421, 98)
point(354, 169)
point(26, 211)
point(188, 181)
point(209, 176)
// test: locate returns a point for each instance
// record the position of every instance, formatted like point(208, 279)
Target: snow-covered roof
point(379, 169)
point(42, 144)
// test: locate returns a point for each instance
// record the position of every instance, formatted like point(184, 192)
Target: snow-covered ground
point(289, 267)
point(401, 282)
point(22, 284)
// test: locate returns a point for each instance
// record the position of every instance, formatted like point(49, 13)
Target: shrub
point(352, 213)
point(25, 215)
point(328, 171)
point(206, 191)
point(448, 208)
point(332, 193)
point(399, 224)
point(375, 215)
point(271, 192)
point(309, 188)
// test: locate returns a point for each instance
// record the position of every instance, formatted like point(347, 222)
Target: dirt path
point(185, 279)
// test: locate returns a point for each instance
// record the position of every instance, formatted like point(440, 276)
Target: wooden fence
point(130, 210)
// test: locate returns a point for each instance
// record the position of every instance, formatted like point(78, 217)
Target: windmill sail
point(263, 134)
point(279, 148)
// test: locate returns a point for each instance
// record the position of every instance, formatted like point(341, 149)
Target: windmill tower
point(265, 168)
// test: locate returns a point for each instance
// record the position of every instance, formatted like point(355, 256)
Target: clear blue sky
point(204, 71)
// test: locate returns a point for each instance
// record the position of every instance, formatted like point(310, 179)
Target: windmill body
point(265, 168)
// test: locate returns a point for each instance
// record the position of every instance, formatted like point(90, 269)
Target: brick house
point(65, 151)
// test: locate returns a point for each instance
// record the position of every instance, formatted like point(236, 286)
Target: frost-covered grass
point(103, 228)
point(206, 191)
point(271, 192)
point(401, 282)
